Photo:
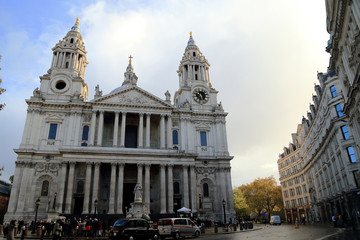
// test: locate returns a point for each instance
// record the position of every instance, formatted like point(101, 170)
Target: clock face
point(200, 95)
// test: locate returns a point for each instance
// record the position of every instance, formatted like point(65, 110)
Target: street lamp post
point(95, 205)
point(54, 200)
point(224, 203)
point(37, 204)
point(200, 203)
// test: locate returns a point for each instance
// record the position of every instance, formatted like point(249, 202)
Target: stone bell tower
point(64, 80)
point(195, 89)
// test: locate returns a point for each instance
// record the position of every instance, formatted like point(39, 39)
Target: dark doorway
point(128, 195)
point(78, 203)
point(177, 203)
point(131, 136)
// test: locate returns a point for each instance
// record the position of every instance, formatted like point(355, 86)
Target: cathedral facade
point(84, 157)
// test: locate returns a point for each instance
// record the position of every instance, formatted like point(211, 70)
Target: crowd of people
point(74, 227)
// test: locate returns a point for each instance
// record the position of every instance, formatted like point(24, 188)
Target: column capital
point(170, 165)
point(101, 111)
point(72, 163)
point(148, 114)
point(140, 164)
point(113, 164)
point(141, 114)
point(89, 163)
point(162, 165)
point(121, 164)
point(147, 165)
point(116, 112)
point(94, 111)
point(97, 164)
point(123, 113)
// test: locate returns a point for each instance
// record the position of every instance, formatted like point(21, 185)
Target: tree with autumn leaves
point(261, 195)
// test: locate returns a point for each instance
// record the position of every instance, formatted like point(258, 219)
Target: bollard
point(235, 227)
point(1, 229)
point(241, 226)
point(38, 231)
point(216, 228)
point(296, 224)
point(26, 231)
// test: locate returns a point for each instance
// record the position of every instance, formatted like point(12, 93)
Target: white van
point(275, 220)
point(177, 227)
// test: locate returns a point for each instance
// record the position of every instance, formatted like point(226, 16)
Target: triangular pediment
point(132, 96)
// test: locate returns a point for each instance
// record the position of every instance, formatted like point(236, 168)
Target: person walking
point(57, 230)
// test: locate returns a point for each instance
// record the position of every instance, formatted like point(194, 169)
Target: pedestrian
point(23, 229)
point(20, 224)
point(333, 218)
point(57, 230)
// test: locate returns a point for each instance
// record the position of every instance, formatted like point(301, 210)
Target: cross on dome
point(130, 58)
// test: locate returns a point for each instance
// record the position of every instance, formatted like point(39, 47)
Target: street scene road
point(269, 232)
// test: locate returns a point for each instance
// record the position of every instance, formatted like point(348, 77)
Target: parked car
point(133, 229)
point(275, 220)
point(177, 227)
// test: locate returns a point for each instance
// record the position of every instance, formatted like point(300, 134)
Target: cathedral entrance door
point(78, 203)
point(131, 136)
point(128, 195)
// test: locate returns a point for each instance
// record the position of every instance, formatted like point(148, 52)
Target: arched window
point(175, 137)
point(72, 40)
point(176, 188)
point(85, 134)
point(206, 190)
point(45, 188)
point(80, 187)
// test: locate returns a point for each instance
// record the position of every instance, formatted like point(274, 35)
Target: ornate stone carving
point(205, 170)
point(47, 167)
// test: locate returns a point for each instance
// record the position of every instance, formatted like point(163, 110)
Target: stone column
point(63, 60)
point(87, 188)
point(92, 129)
point(116, 129)
point(223, 184)
point(14, 194)
point(23, 191)
point(139, 173)
point(147, 138)
point(70, 186)
point(169, 132)
point(112, 188)
point(192, 187)
point(95, 186)
point(60, 197)
point(120, 189)
point(186, 186)
point(162, 131)
point(77, 128)
point(147, 185)
point(230, 201)
point(123, 126)
point(100, 128)
point(162, 189)
point(170, 192)
point(141, 130)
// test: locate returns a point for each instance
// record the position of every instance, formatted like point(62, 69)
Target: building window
point(175, 137)
point(176, 188)
point(45, 188)
point(206, 190)
point(85, 133)
point(345, 132)
point(351, 154)
point(339, 110)
point(52, 131)
point(333, 91)
point(203, 138)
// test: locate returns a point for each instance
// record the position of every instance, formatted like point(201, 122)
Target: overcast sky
point(264, 57)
